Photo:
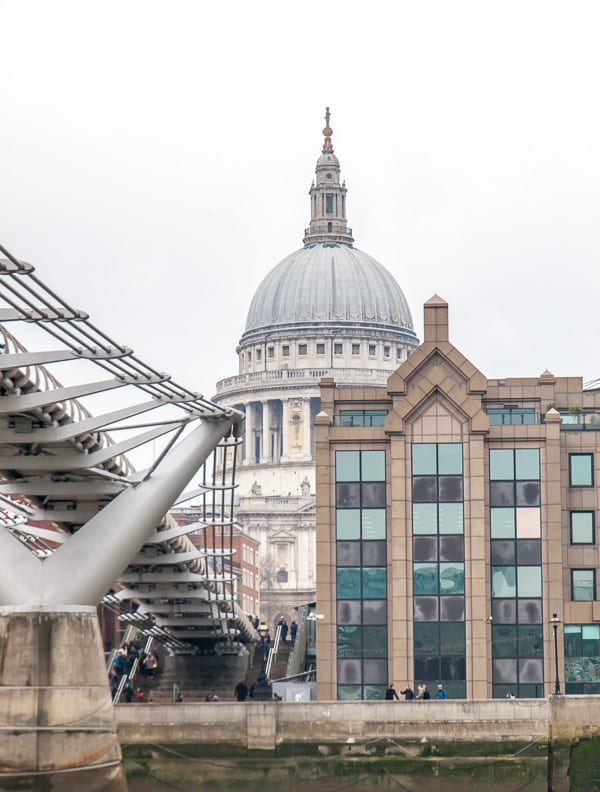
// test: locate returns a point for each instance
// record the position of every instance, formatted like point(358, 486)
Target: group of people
point(122, 664)
point(422, 694)
point(292, 629)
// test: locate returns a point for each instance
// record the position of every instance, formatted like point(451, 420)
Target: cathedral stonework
point(328, 309)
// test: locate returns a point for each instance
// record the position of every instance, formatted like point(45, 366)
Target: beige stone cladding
point(530, 451)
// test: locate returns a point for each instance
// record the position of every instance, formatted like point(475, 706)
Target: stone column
point(265, 446)
point(285, 420)
point(306, 415)
point(57, 718)
point(249, 435)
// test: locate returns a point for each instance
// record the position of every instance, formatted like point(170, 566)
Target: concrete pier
point(57, 724)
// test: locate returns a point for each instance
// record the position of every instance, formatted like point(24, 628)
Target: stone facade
point(450, 535)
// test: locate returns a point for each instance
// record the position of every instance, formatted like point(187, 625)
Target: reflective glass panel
point(504, 611)
point(529, 581)
point(582, 528)
point(452, 609)
point(347, 495)
point(503, 553)
point(502, 466)
point(527, 463)
point(529, 551)
point(582, 585)
point(426, 639)
point(373, 465)
point(427, 669)
point(452, 578)
point(424, 518)
point(528, 523)
point(375, 672)
point(450, 459)
point(530, 611)
point(373, 495)
point(452, 638)
point(348, 583)
point(573, 640)
point(425, 608)
point(505, 670)
point(531, 670)
point(349, 672)
point(502, 493)
point(454, 668)
point(451, 488)
point(531, 640)
point(528, 493)
point(375, 641)
point(425, 548)
point(503, 581)
point(502, 523)
point(451, 549)
point(374, 692)
point(374, 612)
point(347, 523)
point(425, 579)
point(347, 465)
point(451, 518)
point(373, 553)
point(581, 470)
point(504, 640)
point(348, 554)
point(374, 582)
point(349, 642)
point(348, 612)
point(349, 693)
point(424, 459)
point(424, 489)
point(373, 523)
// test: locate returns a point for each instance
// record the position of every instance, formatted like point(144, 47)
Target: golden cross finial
point(328, 132)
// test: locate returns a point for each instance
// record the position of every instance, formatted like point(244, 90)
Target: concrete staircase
point(195, 676)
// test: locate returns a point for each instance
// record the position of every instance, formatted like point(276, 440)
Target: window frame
point(581, 454)
point(582, 511)
point(583, 569)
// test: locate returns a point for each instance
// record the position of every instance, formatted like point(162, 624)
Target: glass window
point(373, 553)
point(452, 638)
point(374, 582)
point(452, 548)
point(582, 528)
point(271, 352)
point(502, 493)
point(504, 611)
point(424, 489)
point(302, 349)
point(372, 349)
point(529, 581)
point(356, 349)
point(504, 640)
point(528, 493)
point(349, 672)
point(347, 523)
point(425, 518)
point(320, 349)
point(583, 585)
point(530, 611)
point(425, 579)
point(529, 551)
point(426, 639)
point(348, 554)
point(348, 612)
point(505, 670)
point(581, 470)
point(503, 552)
point(502, 523)
point(503, 581)
point(452, 609)
point(349, 641)
point(527, 463)
point(425, 548)
point(528, 523)
point(590, 634)
point(386, 351)
point(450, 459)
point(347, 494)
point(348, 583)
point(374, 612)
point(375, 641)
point(329, 203)
point(452, 578)
point(285, 350)
point(425, 608)
point(502, 466)
point(424, 459)
point(573, 640)
point(451, 488)
point(373, 495)
point(373, 523)
point(347, 465)
point(530, 640)
point(373, 465)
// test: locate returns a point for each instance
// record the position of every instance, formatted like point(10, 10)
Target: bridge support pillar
point(57, 726)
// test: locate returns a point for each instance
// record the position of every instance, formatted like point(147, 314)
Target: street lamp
point(263, 689)
point(555, 621)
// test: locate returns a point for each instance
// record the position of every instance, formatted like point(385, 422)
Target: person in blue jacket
point(441, 693)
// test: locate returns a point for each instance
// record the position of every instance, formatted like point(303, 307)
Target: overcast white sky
point(155, 159)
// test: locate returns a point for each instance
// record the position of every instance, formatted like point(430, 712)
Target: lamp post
point(263, 689)
point(555, 621)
